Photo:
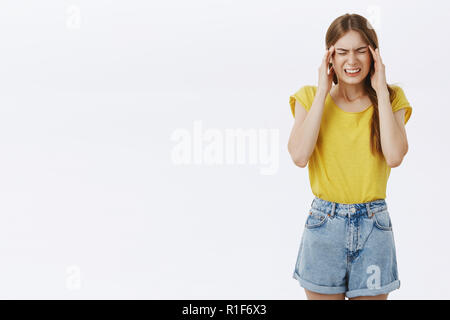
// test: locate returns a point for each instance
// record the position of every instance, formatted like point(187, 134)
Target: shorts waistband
point(354, 209)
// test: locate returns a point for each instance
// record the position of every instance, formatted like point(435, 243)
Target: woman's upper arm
point(300, 113)
point(400, 119)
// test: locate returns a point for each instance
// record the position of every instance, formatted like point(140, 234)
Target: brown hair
point(336, 30)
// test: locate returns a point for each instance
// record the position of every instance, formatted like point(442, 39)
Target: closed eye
point(344, 53)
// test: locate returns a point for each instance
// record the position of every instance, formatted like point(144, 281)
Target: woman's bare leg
point(319, 296)
point(378, 297)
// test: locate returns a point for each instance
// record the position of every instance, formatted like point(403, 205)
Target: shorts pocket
point(383, 220)
point(316, 219)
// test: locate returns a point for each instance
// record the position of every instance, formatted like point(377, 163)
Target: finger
point(379, 55)
point(331, 53)
point(325, 57)
point(374, 54)
point(331, 50)
point(328, 53)
point(375, 58)
point(331, 72)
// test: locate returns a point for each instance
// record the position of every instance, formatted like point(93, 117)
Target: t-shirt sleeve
point(305, 96)
point(400, 102)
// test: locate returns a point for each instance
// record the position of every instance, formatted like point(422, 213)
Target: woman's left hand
point(378, 77)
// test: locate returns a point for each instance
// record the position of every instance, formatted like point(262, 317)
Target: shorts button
point(353, 210)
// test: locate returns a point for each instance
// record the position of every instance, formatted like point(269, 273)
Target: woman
point(350, 135)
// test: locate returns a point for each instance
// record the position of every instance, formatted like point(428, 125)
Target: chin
point(352, 80)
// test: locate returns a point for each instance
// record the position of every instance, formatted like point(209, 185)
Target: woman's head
point(350, 34)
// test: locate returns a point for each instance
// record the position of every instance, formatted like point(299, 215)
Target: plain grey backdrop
point(94, 95)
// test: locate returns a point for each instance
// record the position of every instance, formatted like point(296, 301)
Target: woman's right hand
point(325, 77)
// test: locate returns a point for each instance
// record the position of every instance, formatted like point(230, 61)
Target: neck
point(350, 92)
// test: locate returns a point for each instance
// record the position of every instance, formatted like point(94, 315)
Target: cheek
point(338, 61)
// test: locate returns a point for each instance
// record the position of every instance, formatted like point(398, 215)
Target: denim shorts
point(347, 248)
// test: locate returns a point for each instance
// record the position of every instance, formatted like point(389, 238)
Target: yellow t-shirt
point(342, 167)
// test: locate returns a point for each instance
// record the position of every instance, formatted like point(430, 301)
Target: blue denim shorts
point(347, 248)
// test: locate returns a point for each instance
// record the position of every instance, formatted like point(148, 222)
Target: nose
point(351, 57)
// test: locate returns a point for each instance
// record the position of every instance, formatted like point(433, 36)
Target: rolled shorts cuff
point(373, 292)
point(317, 288)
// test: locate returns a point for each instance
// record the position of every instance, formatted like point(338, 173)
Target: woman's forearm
point(304, 135)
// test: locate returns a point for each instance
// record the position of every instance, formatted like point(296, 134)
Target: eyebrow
point(342, 49)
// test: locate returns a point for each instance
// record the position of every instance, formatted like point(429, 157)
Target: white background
point(92, 204)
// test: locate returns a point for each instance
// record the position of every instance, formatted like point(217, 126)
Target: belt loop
point(333, 208)
point(369, 214)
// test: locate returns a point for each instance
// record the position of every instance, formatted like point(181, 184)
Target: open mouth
point(352, 72)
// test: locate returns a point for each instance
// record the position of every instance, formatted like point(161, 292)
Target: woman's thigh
point(378, 297)
point(319, 296)
point(341, 296)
